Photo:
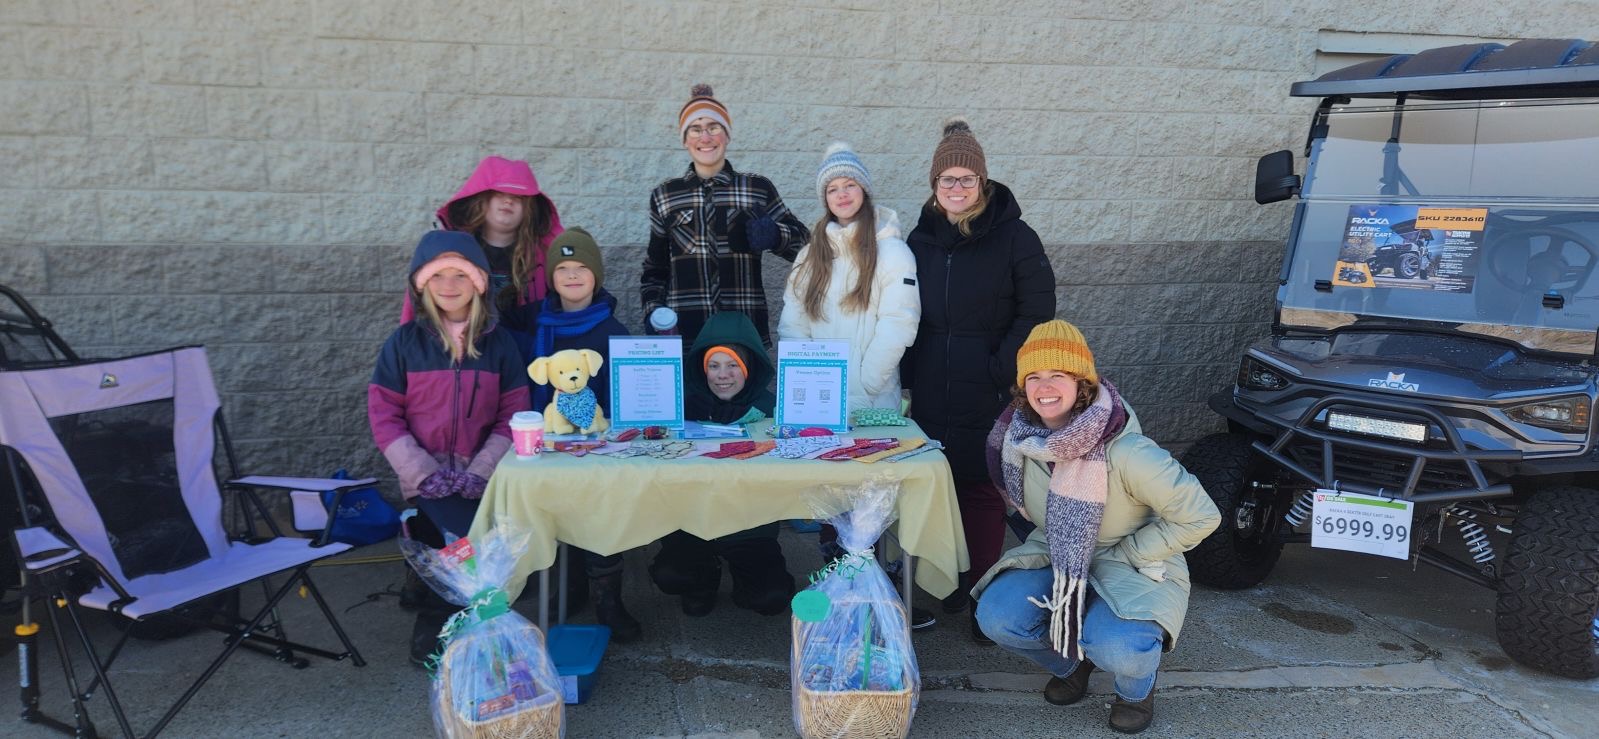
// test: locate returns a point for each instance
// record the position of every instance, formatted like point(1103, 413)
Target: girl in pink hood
point(501, 205)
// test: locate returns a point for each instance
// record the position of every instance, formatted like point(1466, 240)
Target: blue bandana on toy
point(578, 408)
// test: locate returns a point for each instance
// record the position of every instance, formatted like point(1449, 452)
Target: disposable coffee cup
point(664, 321)
point(527, 433)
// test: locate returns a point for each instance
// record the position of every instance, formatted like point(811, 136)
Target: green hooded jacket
point(727, 328)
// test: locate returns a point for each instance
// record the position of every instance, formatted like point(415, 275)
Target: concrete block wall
point(252, 175)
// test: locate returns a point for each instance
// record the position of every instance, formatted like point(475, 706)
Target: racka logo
point(1371, 219)
point(1395, 381)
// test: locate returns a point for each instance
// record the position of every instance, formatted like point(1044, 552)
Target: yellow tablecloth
point(610, 505)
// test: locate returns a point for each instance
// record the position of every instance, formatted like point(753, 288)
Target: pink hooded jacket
point(513, 177)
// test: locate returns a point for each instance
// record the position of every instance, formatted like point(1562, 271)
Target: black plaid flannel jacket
point(699, 261)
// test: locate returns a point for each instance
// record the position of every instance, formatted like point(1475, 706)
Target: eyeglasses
point(968, 182)
point(710, 129)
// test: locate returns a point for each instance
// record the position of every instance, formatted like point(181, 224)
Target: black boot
point(609, 610)
point(425, 632)
point(686, 566)
point(761, 581)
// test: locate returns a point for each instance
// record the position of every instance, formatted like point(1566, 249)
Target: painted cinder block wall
point(252, 175)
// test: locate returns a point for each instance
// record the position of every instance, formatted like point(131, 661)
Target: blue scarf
point(554, 323)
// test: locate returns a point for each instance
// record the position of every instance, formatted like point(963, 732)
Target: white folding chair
point(123, 452)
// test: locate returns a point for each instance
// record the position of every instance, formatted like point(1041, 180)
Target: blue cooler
point(577, 650)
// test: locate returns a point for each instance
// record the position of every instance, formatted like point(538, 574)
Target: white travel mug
point(664, 321)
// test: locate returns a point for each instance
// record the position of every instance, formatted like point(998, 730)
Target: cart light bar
point(1416, 432)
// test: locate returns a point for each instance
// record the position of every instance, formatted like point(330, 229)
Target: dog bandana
point(578, 408)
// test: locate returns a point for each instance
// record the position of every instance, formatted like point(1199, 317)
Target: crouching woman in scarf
point(1101, 582)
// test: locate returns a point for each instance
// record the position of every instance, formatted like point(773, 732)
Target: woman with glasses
point(985, 283)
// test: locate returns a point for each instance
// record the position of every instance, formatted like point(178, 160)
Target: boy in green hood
point(726, 374)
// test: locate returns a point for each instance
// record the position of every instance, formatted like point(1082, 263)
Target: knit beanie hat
point(702, 105)
point(1055, 345)
point(575, 245)
point(958, 148)
point(478, 278)
point(841, 161)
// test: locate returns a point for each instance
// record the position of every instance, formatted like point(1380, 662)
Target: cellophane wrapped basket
point(494, 676)
point(853, 671)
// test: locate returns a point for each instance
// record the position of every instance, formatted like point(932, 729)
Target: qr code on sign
point(824, 395)
point(799, 395)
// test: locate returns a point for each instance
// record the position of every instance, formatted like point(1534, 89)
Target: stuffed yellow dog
point(574, 408)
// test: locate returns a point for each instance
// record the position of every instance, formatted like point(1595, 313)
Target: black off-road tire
point(1226, 464)
point(1549, 584)
point(1407, 266)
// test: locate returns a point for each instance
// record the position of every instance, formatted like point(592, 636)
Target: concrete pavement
point(1333, 644)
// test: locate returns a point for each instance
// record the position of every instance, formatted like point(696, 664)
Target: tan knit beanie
point(958, 148)
point(702, 103)
point(1055, 345)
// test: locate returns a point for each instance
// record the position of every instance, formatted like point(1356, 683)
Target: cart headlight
point(1569, 414)
point(1253, 375)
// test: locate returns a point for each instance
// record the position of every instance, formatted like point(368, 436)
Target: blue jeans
point(1128, 649)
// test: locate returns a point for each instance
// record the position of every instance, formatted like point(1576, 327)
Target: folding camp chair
point(123, 452)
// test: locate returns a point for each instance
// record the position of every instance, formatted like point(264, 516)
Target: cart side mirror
point(1274, 177)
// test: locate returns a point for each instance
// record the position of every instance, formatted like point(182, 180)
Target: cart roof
point(1525, 69)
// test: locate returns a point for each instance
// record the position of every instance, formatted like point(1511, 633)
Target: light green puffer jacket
point(1154, 511)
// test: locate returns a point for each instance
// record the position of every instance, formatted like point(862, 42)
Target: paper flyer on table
point(812, 377)
point(647, 381)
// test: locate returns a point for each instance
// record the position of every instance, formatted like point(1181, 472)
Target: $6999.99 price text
point(1365, 529)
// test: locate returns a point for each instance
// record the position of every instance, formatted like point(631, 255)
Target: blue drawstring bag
point(363, 517)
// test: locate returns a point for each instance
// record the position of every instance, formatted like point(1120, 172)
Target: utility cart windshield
point(1482, 215)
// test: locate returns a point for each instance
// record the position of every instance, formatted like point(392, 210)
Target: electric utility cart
point(1428, 388)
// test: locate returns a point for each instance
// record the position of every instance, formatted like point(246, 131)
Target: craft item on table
point(611, 449)
point(802, 448)
point(627, 434)
point(655, 433)
point(493, 675)
point(860, 448)
point(877, 417)
point(699, 430)
point(579, 448)
point(853, 669)
point(795, 432)
point(656, 449)
point(761, 448)
point(731, 448)
point(932, 445)
point(753, 415)
point(905, 445)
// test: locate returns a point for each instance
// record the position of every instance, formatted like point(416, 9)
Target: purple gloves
point(470, 486)
point(445, 482)
point(438, 485)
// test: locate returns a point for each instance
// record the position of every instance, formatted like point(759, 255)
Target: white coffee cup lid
point(527, 417)
point(663, 317)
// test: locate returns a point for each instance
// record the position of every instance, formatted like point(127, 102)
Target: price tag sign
point(1361, 523)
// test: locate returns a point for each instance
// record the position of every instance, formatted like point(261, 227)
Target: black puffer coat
point(981, 295)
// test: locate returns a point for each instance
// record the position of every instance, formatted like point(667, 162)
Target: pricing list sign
point(1361, 523)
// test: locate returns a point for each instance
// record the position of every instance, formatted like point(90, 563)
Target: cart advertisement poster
point(1412, 247)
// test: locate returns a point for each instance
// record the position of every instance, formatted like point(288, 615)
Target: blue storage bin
point(577, 650)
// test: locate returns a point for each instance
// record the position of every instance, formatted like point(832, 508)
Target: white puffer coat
point(879, 335)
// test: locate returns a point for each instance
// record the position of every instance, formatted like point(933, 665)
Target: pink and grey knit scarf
point(1077, 489)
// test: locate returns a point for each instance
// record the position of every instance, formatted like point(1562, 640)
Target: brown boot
point(1064, 691)
point(1128, 717)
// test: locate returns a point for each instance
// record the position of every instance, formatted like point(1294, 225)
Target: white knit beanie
point(841, 161)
